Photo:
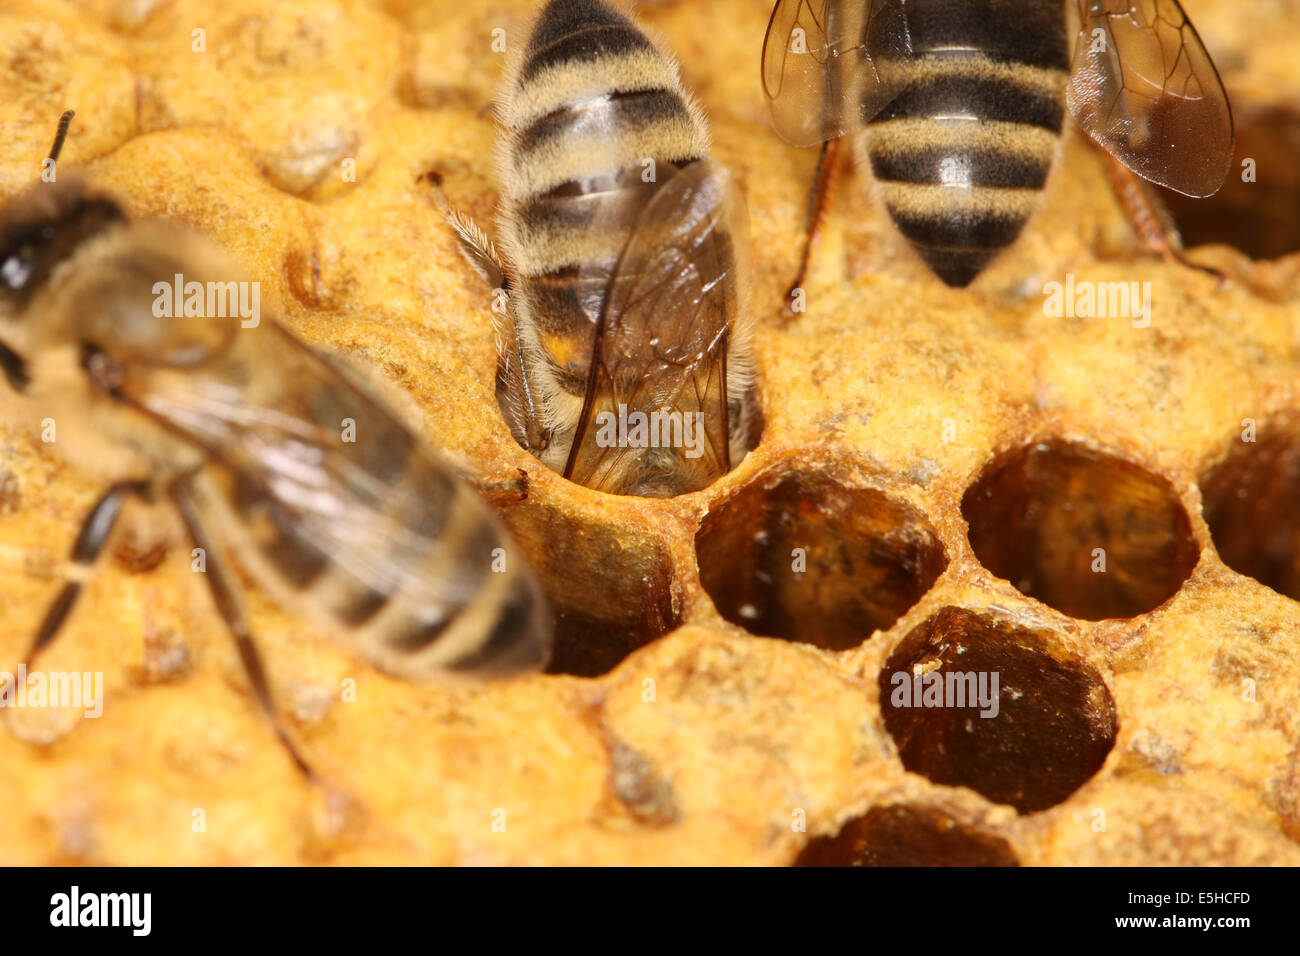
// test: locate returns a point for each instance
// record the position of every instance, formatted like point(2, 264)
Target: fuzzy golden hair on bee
point(604, 169)
point(591, 91)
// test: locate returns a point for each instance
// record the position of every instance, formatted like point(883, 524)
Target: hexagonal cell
point(1257, 217)
point(975, 702)
point(612, 590)
point(801, 556)
point(905, 835)
point(1249, 503)
point(1089, 534)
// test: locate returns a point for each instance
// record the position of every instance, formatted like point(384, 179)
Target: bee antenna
point(64, 121)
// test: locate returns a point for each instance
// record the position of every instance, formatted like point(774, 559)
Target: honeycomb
point(942, 475)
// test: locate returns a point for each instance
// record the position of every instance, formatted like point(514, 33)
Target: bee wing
point(663, 332)
point(308, 479)
point(830, 65)
point(1144, 87)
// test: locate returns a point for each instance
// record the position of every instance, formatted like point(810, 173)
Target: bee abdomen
point(503, 630)
point(441, 595)
point(514, 639)
point(462, 602)
point(973, 167)
point(594, 110)
point(494, 621)
point(963, 87)
point(1031, 32)
point(963, 151)
point(958, 236)
point(597, 119)
point(960, 195)
point(660, 111)
point(570, 31)
point(565, 306)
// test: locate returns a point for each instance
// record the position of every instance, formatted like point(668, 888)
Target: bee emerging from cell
point(269, 452)
point(957, 107)
point(624, 359)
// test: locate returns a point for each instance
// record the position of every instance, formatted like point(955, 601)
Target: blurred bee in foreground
point(624, 359)
point(268, 451)
point(959, 106)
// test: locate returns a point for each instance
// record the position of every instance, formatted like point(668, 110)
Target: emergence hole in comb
point(611, 592)
point(802, 556)
point(1051, 721)
point(1249, 501)
point(1258, 218)
point(907, 836)
point(1089, 534)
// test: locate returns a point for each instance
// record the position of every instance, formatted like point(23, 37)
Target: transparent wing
point(830, 65)
point(662, 340)
point(1143, 86)
point(371, 504)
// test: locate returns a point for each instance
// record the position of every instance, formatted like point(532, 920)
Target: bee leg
point(818, 202)
point(474, 245)
point(515, 392)
point(1149, 217)
point(94, 534)
point(225, 595)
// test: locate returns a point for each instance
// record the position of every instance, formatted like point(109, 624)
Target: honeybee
point(269, 451)
point(624, 356)
point(959, 106)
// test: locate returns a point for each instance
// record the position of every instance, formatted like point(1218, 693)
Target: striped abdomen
point(371, 535)
point(961, 154)
point(596, 118)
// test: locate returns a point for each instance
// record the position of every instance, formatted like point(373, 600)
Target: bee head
point(44, 226)
point(40, 228)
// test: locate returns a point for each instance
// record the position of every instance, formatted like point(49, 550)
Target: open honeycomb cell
point(1250, 499)
point(1091, 535)
point(1030, 742)
point(804, 557)
point(942, 464)
point(907, 836)
point(628, 595)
